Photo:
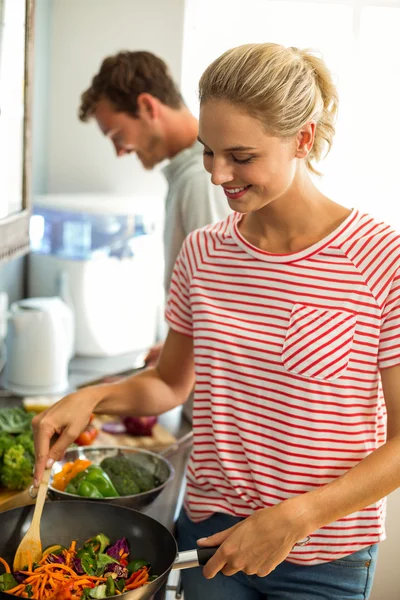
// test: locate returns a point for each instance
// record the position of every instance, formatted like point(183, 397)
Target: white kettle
point(39, 343)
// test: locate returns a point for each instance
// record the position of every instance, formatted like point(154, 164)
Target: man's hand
point(256, 545)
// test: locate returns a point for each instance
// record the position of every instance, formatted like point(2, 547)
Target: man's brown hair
point(126, 75)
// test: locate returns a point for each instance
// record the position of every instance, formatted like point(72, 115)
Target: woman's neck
point(297, 220)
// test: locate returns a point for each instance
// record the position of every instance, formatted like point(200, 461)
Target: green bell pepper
point(93, 482)
point(110, 587)
point(101, 481)
point(72, 487)
point(88, 490)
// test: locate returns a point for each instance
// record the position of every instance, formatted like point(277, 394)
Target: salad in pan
point(98, 569)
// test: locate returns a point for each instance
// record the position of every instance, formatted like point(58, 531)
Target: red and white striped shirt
point(287, 356)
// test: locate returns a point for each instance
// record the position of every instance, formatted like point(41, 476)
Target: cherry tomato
point(87, 436)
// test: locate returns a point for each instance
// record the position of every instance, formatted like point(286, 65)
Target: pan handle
point(193, 558)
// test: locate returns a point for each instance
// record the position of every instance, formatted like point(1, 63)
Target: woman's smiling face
point(253, 167)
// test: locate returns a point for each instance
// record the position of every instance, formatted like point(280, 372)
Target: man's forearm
point(140, 395)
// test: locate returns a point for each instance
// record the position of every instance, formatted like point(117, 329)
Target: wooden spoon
point(30, 548)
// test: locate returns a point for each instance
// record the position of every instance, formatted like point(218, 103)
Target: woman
point(286, 315)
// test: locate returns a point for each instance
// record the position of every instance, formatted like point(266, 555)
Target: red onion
point(139, 425)
point(114, 427)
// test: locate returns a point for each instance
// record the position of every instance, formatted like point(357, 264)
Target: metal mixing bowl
point(154, 463)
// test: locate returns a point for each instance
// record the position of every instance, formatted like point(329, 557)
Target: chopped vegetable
point(7, 582)
point(16, 471)
point(16, 448)
point(68, 472)
point(114, 427)
point(139, 425)
point(56, 577)
point(93, 482)
point(15, 420)
point(87, 436)
point(128, 478)
point(135, 565)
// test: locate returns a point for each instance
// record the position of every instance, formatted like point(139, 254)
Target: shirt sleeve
point(389, 342)
point(201, 202)
point(178, 312)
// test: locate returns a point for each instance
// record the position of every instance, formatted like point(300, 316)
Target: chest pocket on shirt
point(318, 342)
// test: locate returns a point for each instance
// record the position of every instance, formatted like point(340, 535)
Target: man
point(138, 106)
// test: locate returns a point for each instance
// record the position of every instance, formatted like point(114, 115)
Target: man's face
point(129, 134)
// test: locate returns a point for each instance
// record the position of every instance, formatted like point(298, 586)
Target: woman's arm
point(150, 392)
point(268, 535)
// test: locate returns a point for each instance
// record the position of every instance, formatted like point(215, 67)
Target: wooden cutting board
point(159, 440)
point(10, 499)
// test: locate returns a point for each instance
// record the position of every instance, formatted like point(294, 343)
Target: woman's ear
point(148, 106)
point(305, 139)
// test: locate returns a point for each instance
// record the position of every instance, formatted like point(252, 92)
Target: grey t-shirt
point(192, 201)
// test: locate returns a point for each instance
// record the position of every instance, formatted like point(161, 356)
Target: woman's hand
point(65, 419)
point(259, 543)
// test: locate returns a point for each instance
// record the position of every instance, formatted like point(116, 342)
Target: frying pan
point(63, 522)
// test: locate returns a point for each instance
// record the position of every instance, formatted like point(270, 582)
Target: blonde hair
point(284, 88)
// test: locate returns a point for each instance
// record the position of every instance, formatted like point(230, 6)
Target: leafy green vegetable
point(15, 420)
point(17, 453)
point(137, 564)
point(16, 471)
point(99, 539)
point(26, 440)
point(93, 559)
point(6, 441)
point(120, 584)
point(88, 563)
point(7, 582)
point(102, 561)
point(98, 592)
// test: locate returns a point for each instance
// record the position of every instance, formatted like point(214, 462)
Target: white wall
point(82, 34)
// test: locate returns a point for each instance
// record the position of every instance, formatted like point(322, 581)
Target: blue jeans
point(349, 578)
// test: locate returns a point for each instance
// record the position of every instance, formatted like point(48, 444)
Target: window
point(360, 42)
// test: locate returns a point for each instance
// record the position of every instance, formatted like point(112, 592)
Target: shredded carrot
point(5, 564)
point(47, 580)
point(21, 586)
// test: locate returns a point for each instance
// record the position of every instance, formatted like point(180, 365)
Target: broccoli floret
point(6, 441)
point(127, 477)
point(26, 440)
point(16, 472)
point(118, 470)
